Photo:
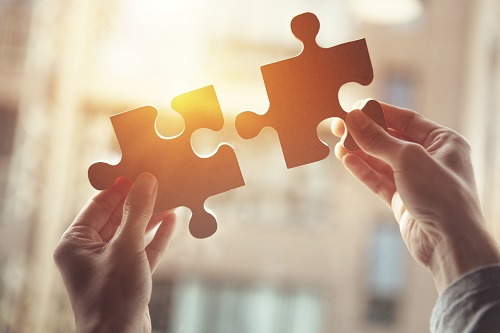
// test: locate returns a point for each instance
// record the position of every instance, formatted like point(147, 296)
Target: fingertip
point(347, 157)
point(123, 181)
point(123, 185)
point(372, 137)
point(170, 216)
point(138, 210)
point(145, 183)
point(340, 151)
point(356, 120)
point(168, 222)
point(167, 227)
point(337, 127)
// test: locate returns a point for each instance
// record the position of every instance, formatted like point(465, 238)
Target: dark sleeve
point(470, 304)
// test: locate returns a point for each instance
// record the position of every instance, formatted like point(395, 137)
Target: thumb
point(372, 138)
point(137, 211)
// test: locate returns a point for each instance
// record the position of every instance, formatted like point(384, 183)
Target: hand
point(105, 262)
point(424, 172)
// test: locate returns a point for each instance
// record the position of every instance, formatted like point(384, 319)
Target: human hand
point(105, 262)
point(424, 172)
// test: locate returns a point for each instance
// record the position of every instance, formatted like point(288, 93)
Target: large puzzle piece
point(303, 91)
point(184, 178)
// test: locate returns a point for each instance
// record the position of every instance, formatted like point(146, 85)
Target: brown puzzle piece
point(303, 91)
point(184, 178)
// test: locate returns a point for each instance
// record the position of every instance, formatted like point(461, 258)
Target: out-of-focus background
point(301, 250)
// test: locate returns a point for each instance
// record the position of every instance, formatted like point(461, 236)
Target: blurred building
point(301, 250)
point(481, 118)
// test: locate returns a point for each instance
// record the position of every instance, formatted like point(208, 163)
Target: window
point(400, 89)
point(14, 30)
point(7, 129)
point(386, 274)
point(206, 308)
point(160, 306)
point(491, 121)
point(299, 197)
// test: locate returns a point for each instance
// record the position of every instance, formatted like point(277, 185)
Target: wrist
point(103, 325)
point(456, 256)
point(101, 328)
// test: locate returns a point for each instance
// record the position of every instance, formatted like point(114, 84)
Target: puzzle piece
point(303, 91)
point(184, 178)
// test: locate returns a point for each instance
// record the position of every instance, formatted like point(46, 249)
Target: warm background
point(305, 250)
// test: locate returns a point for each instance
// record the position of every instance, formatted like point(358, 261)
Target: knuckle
point(451, 137)
point(104, 205)
point(61, 252)
point(365, 177)
point(115, 221)
point(410, 153)
point(459, 141)
point(378, 188)
point(413, 149)
point(387, 171)
point(155, 253)
point(458, 151)
point(57, 255)
point(415, 116)
point(137, 209)
point(375, 140)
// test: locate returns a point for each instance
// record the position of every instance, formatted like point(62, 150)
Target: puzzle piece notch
point(303, 91)
point(184, 178)
point(372, 109)
point(188, 105)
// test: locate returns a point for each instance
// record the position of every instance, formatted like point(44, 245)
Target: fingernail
point(145, 183)
point(358, 120)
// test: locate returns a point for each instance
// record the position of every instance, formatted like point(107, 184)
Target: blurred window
point(206, 308)
point(492, 139)
point(300, 197)
point(381, 310)
point(400, 89)
point(386, 274)
point(14, 32)
point(8, 118)
point(7, 128)
point(160, 306)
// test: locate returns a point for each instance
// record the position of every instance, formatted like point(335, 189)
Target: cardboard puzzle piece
point(184, 178)
point(303, 91)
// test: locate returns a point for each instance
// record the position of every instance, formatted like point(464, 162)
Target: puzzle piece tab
point(303, 91)
point(184, 178)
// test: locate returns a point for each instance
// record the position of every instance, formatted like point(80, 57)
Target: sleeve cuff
point(466, 302)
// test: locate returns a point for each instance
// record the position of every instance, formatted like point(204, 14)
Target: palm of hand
point(427, 177)
point(125, 278)
point(105, 262)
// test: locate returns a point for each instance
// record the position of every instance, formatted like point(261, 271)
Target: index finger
point(98, 210)
point(410, 123)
